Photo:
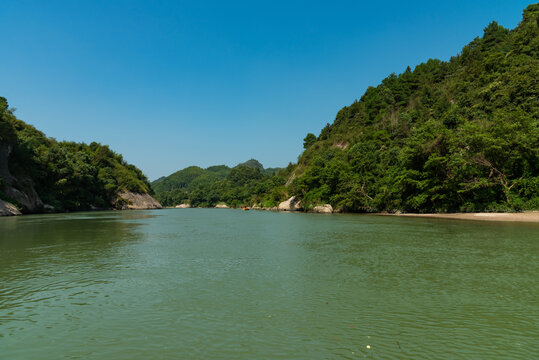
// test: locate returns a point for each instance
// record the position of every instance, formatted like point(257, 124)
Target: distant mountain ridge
point(215, 184)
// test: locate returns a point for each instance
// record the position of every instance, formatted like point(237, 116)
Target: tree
point(309, 140)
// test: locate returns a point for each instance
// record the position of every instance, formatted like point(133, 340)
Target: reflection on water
point(204, 283)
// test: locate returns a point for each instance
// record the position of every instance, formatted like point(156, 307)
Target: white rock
point(135, 201)
point(292, 204)
point(323, 209)
point(7, 209)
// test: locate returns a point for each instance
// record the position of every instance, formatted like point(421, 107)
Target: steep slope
point(41, 174)
point(461, 135)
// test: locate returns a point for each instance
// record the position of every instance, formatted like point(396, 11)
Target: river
point(231, 284)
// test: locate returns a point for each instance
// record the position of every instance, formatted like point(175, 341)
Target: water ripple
point(229, 284)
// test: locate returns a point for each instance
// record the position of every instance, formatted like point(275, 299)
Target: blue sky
point(170, 84)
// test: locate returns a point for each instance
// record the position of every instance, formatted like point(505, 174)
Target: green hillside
point(245, 184)
point(65, 175)
point(461, 135)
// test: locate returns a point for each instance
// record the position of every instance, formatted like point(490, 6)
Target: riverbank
point(126, 200)
point(524, 217)
point(529, 216)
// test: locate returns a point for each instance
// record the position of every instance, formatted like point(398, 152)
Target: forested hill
point(246, 183)
point(38, 173)
point(457, 135)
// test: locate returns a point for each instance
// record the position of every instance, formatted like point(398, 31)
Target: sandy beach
point(529, 216)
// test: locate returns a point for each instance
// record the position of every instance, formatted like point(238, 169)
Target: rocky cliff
point(19, 191)
point(129, 200)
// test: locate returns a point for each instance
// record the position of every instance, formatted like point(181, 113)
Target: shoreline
point(522, 217)
point(525, 217)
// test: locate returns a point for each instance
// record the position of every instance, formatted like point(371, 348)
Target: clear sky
point(170, 84)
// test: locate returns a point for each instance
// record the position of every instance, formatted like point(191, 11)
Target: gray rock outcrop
point(183, 206)
point(136, 201)
point(21, 191)
point(8, 209)
point(25, 195)
point(292, 204)
point(221, 206)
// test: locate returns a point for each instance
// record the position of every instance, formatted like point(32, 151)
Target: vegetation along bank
point(447, 136)
point(39, 174)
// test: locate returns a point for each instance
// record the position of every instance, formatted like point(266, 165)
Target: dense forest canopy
point(245, 184)
point(461, 135)
point(66, 175)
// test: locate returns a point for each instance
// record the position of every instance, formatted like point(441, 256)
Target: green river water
point(230, 284)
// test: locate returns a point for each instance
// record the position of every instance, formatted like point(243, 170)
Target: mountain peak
point(252, 163)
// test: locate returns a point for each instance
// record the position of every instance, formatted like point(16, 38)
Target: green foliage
point(461, 135)
point(7, 119)
point(244, 185)
point(252, 163)
point(309, 140)
point(175, 188)
point(67, 175)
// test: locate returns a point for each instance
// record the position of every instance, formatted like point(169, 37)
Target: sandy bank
point(530, 216)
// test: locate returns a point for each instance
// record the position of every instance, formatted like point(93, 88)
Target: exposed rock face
point(342, 145)
point(292, 204)
point(20, 190)
point(323, 209)
point(25, 195)
point(183, 206)
point(137, 201)
point(291, 178)
point(7, 209)
point(221, 206)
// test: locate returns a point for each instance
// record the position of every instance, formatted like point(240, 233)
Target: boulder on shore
point(183, 206)
point(137, 201)
point(8, 209)
point(221, 206)
point(292, 204)
point(323, 209)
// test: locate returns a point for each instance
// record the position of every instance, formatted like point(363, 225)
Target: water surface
point(228, 284)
